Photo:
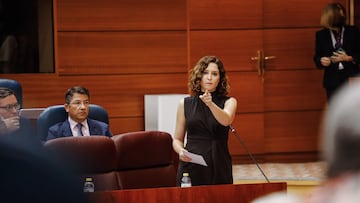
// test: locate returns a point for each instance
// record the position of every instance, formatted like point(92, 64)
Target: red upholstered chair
point(90, 156)
point(145, 159)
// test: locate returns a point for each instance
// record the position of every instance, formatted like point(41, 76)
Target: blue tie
point(79, 126)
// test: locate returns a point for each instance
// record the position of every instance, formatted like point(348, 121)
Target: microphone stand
point(248, 152)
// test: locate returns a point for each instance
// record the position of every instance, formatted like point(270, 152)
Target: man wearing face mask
point(337, 48)
point(10, 122)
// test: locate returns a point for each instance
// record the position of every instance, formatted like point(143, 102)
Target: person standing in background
point(337, 48)
point(205, 118)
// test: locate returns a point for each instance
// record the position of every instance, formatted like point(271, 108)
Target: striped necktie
point(79, 127)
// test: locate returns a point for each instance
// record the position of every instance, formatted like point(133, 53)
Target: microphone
point(248, 152)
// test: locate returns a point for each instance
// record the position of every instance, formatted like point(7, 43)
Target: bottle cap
point(185, 174)
point(88, 179)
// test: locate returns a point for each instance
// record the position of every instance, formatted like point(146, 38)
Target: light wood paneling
point(293, 48)
point(234, 47)
point(110, 15)
point(126, 124)
point(292, 131)
point(250, 128)
point(248, 89)
point(121, 52)
point(293, 13)
point(214, 14)
point(294, 90)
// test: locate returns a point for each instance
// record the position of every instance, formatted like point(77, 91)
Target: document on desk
point(195, 158)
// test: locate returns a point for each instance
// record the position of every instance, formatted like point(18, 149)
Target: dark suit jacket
point(63, 129)
point(333, 77)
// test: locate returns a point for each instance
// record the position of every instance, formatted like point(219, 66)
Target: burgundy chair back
point(88, 156)
point(145, 159)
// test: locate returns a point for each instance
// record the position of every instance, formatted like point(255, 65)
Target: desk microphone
point(248, 152)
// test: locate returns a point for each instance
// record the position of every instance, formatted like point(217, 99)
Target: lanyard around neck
point(333, 39)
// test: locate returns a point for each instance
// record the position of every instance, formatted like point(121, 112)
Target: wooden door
point(279, 111)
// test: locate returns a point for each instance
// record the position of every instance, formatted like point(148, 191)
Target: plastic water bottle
point(89, 185)
point(186, 180)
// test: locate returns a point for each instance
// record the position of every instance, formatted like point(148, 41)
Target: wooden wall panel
point(284, 134)
point(234, 47)
point(305, 13)
point(250, 128)
point(294, 90)
point(111, 15)
point(293, 48)
point(121, 52)
point(214, 14)
point(248, 90)
point(126, 124)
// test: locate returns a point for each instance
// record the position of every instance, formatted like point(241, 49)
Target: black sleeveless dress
point(207, 137)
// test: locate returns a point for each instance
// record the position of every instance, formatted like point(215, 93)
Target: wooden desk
point(239, 193)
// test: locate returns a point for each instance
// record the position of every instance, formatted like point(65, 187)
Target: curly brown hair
point(196, 74)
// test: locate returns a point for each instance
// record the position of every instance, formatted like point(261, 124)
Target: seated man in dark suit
point(10, 122)
point(78, 124)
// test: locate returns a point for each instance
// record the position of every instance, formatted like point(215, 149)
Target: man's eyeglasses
point(11, 107)
point(79, 103)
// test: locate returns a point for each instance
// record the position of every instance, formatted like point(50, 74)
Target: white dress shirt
point(74, 128)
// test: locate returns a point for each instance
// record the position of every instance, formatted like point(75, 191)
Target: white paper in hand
point(195, 158)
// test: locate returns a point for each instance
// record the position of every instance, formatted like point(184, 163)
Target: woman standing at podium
point(205, 117)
